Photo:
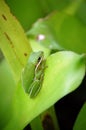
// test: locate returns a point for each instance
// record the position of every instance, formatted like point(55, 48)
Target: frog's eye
point(39, 59)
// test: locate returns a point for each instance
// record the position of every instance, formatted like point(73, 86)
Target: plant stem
point(46, 121)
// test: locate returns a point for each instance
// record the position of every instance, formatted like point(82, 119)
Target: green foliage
point(7, 89)
point(80, 123)
point(66, 74)
point(63, 43)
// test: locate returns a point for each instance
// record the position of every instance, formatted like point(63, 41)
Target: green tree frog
point(33, 74)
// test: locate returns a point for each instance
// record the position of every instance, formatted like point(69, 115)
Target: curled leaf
point(63, 74)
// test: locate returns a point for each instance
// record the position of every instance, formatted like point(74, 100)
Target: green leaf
point(63, 74)
point(13, 41)
point(7, 89)
point(61, 30)
point(81, 12)
point(80, 123)
point(68, 29)
point(28, 11)
point(43, 35)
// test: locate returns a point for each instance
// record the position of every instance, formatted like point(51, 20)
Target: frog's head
point(36, 57)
